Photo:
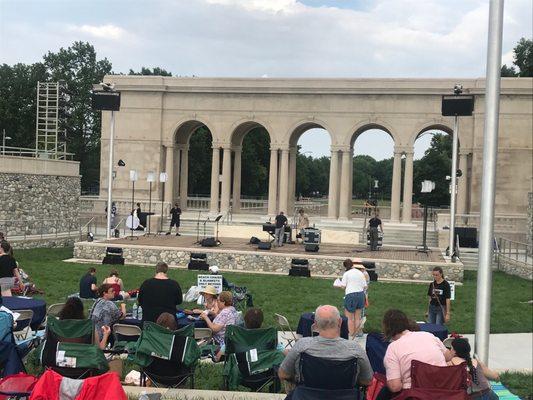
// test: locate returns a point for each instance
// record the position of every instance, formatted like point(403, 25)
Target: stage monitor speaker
point(105, 101)
point(313, 248)
point(300, 270)
point(299, 261)
point(117, 233)
point(113, 259)
point(373, 275)
point(369, 265)
point(254, 240)
point(198, 257)
point(113, 251)
point(209, 242)
point(264, 246)
point(460, 105)
point(198, 265)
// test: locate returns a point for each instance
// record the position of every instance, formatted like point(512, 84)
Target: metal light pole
point(4, 138)
point(453, 184)
point(110, 175)
point(488, 186)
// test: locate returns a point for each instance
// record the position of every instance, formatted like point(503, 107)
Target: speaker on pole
point(457, 105)
point(104, 100)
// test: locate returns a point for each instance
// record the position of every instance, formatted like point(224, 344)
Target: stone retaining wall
point(43, 243)
point(517, 268)
point(267, 262)
point(529, 234)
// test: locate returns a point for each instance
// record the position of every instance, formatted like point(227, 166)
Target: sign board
point(213, 280)
point(452, 290)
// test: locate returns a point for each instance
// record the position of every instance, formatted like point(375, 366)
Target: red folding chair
point(17, 386)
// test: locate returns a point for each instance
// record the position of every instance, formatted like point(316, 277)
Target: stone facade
point(513, 267)
point(43, 243)
point(267, 263)
point(38, 196)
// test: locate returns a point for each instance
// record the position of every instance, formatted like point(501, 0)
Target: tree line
point(80, 68)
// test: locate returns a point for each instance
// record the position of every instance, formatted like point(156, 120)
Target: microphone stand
point(198, 228)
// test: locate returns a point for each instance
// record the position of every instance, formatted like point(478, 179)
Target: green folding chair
point(251, 358)
point(168, 358)
point(69, 349)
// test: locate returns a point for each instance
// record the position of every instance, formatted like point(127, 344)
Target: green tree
point(156, 71)
point(523, 57)
point(78, 66)
point(255, 161)
point(508, 72)
point(434, 166)
point(18, 93)
point(200, 155)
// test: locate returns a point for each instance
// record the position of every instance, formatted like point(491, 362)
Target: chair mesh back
point(426, 376)
point(321, 373)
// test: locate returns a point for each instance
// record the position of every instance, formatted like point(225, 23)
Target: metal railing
point(34, 153)
point(515, 251)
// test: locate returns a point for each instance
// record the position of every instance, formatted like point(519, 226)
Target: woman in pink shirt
point(407, 346)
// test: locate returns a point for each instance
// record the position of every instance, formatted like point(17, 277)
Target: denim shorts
point(354, 301)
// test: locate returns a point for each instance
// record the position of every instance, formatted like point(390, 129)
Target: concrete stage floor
point(339, 250)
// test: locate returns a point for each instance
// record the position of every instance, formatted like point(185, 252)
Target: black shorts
point(175, 223)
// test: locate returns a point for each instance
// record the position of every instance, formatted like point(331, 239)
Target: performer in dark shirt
point(373, 225)
point(159, 294)
point(281, 221)
point(439, 292)
point(88, 287)
point(175, 213)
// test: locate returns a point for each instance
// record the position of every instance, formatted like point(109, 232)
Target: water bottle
point(140, 313)
point(135, 310)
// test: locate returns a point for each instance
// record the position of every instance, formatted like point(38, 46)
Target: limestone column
point(177, 169)
point(284, 181)
point(350, 189)
point(273, 183)
point(184, 176)
point(462, 185)
point(226, 180)
point(408, 188)
point(237, 179)
point(292, 178)
point(345, 185)
point(169, 166)
point(333, 195)
point(215, 172)
point(396, 187)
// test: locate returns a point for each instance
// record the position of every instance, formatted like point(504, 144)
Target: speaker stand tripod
point(217, 220)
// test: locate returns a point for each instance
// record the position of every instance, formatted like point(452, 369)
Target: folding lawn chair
point(167, 358)
point(125, 338)
point(18, 386)
point(12, 361)
point(252, 358)
point(23, 324)
point(54, 309)
point(322, 378)
point(286, 330)
point(69, 350)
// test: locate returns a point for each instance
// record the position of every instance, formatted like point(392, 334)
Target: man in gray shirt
point(328, 345)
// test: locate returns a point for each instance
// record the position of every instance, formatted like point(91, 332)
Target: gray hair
point(326, 317)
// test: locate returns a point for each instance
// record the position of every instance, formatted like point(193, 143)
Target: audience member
point(439, 292)
point(327, 345)
point(253, 319)
point(159, 294)
point(8, 269)
point(168, 321)
point(479, 373)
point(210, 301)
point(73, 309)
point(105, 312)
point(88, 288)
point(407, 346)
point(227, 316)
point(354, 283)
point(114, 280)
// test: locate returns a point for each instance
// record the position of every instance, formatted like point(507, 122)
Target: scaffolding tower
point(50, 133)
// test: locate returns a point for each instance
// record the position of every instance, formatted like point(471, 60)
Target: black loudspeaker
point(300, 270)
point(254, 240)
point(467, 237)
point(117, 233)
point(299, 261)
point(264, 246)
point(460, 105)
point(113, 251)
point(113, 256)
point(313, 248)
point(108, 101)
point(198, 261)
point(209, 242)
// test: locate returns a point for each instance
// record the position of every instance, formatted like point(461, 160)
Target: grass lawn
point(291, 296)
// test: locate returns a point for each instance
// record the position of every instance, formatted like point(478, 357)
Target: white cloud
point(100, 31)
point(262, 5)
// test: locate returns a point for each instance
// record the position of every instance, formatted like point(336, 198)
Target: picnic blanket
point(502, 391)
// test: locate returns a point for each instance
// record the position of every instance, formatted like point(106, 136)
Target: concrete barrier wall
point(517, 268)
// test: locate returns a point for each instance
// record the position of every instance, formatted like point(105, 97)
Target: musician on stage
point(373, 225)
point(281, 222)
point(303, 223)
point(175, 213)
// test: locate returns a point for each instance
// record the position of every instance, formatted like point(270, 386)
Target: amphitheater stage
point(235, 254)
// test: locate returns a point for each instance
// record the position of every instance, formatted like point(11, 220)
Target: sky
point(271, 38)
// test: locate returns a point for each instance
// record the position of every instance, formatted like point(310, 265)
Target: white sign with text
point(213, 280)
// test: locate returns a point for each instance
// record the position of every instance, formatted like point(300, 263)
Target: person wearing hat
point(210, 301)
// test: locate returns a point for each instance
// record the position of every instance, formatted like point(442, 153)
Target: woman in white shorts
point(354, 283)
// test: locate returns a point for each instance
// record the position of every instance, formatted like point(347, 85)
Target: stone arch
point(299, 128)
point(364, 126)
point(240, 128)
point(181, 131)
point(428, 126)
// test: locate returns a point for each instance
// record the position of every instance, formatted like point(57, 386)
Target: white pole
point(110, 175)
point(453, 185)
point(490, 149)
point(4, 141)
